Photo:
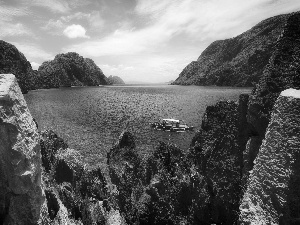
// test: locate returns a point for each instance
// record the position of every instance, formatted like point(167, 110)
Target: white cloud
point(94, 21)
point(197, 21)
point(75, 31)
point(33, 52)
point(54, 26)
point(9, 29)
point(177, 29)
point(56, 6)
point(35, 65)
point(7, 13)
point(116, 68)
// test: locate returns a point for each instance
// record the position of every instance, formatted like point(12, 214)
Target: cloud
point(9, 29)
point(195, 20)
point(33, 52)
point(35, 65)
point(116, 68)
point(93, 20)
point(7, 12)
point(75, 31)
point(56, 6)
point(54, 26)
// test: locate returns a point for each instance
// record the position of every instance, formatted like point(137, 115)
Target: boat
point(172, 125)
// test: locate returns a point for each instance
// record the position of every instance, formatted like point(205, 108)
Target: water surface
point(90, 119)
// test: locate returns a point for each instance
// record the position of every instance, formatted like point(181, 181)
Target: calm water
point(90, 119)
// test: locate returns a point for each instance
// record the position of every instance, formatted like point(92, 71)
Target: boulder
point(21, 194)
point(272, 192)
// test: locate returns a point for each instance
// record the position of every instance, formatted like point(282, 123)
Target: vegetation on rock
point(238, 61)
point(70, 69)
point(14, 62)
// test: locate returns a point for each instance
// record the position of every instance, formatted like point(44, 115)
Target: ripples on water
point(90, 119)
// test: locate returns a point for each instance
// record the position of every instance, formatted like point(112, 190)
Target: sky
point(141, 41)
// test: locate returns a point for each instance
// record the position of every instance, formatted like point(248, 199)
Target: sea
point(90, 119)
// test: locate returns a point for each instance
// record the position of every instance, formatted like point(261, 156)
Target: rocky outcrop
point(14, 62)
point(272, 185)
point(21, 193)
point(70, 69)
point(114, 80)
point(217, 151)
point(238, 61)
point(282, 72)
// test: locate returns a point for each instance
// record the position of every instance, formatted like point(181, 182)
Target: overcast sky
point(138, 40)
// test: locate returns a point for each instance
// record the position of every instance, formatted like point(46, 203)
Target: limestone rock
point(282, 72)
point(21, 195)
point(219, 158)
point(272, 186)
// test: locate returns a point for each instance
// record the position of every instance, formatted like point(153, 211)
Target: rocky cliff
point(114, 80)
point(272, 191)
point(21, 193)
point(70, 69)
point(14, 62)
point(238, 61)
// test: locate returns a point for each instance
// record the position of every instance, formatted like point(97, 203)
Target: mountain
point(70, 69)
point(13, 61)
point(238, 61)
point(114, 80)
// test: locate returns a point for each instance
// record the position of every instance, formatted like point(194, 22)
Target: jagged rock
point(14, 62)
point(21, 194)
point(219, 159)
point(122, 156)
point(114, 80)
point(273, 182)
point(124, 169)
point(57, 212)
point(238, 61)
point(282, 72)
point(50, 143)
point(68, 166)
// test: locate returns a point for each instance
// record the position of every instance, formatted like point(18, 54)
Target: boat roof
point(171, 120)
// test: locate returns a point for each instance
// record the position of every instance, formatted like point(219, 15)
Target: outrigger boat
point(171, 125)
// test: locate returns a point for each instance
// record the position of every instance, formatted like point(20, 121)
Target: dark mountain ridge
point(238, 61)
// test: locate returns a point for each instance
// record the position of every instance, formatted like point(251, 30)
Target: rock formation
point(238, 61)
point(217, 154)
point(114, 80)
point(14, 62)
point(282, 72)
point(21, 193)
point(70, 69)
point(271, 184)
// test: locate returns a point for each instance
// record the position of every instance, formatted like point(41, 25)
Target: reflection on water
point(90, 119)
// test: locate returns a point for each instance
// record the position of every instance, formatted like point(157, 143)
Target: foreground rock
point(219, 158)
point(272, 193)
point(281, 73)
point(21, 193)
point(238, 61)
